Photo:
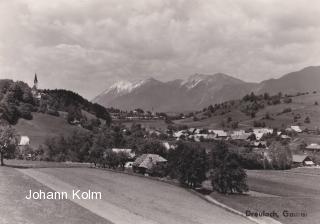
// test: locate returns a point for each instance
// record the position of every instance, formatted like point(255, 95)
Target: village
point(256, 139)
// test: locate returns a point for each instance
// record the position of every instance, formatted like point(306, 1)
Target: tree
point(280, 155)
point(7, 140)
point(188, 163)
point(227, 175)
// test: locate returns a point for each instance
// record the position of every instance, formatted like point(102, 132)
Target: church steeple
point(35, 82)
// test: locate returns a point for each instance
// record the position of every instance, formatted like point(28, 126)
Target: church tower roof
point(35, 78)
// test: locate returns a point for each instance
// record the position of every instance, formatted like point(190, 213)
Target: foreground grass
point(15, 209)
point(42, 164)
point(296, 191)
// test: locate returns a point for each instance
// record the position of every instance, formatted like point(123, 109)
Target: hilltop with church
point(35, 91)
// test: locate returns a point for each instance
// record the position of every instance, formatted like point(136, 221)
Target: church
point(35, 92)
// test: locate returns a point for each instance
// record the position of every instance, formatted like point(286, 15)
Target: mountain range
point(199, 91)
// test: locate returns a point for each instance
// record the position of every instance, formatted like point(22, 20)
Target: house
point(313, 147)
point(240, 135)
point(147, 162)
point(263, 130)
point(296, 129)
point(219, 133)
point(179, 134)
point(24, 140)
point(238, 132)
point(259, 135)
point(301, 160)
point(25, 152)
point(127, 151)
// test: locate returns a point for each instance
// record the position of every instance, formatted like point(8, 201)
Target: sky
point(87, 45)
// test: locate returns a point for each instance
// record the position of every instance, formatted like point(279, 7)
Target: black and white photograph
point(159, 112)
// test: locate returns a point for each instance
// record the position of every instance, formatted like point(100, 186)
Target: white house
point(296, 129)
point(263, 130)
point(219, 133)
point(24, 140)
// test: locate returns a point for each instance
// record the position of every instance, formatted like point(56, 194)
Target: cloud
point(86, 45)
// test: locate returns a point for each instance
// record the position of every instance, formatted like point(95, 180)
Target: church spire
point(35, 79)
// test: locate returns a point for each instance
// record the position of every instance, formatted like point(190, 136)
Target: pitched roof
point(313, 146)
point(117, 150)
point(148, 160)
point(259, 135)
point(239, 136)
point(299, 158)
point(263, 130)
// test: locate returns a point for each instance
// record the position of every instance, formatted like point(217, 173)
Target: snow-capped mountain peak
point(193, 81)
point(123, 86)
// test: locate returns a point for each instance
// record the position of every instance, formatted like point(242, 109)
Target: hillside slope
point(43, 126)
point(302, 106)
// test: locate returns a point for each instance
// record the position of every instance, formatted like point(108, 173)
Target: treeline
point(65, 100)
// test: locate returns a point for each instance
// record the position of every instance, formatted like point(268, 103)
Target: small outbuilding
point(302, 160)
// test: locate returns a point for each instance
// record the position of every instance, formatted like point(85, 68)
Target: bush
point(307, 120)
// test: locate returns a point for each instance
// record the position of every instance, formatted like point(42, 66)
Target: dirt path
point(130, 199)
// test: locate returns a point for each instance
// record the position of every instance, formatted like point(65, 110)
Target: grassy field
point(15, 209)
point(43, 164)
point(296, 190)
point(43, 126)
point(125, 199)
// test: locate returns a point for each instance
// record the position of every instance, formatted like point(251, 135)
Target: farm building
point(313, 147)
point(147, 162)
point(301, 160)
